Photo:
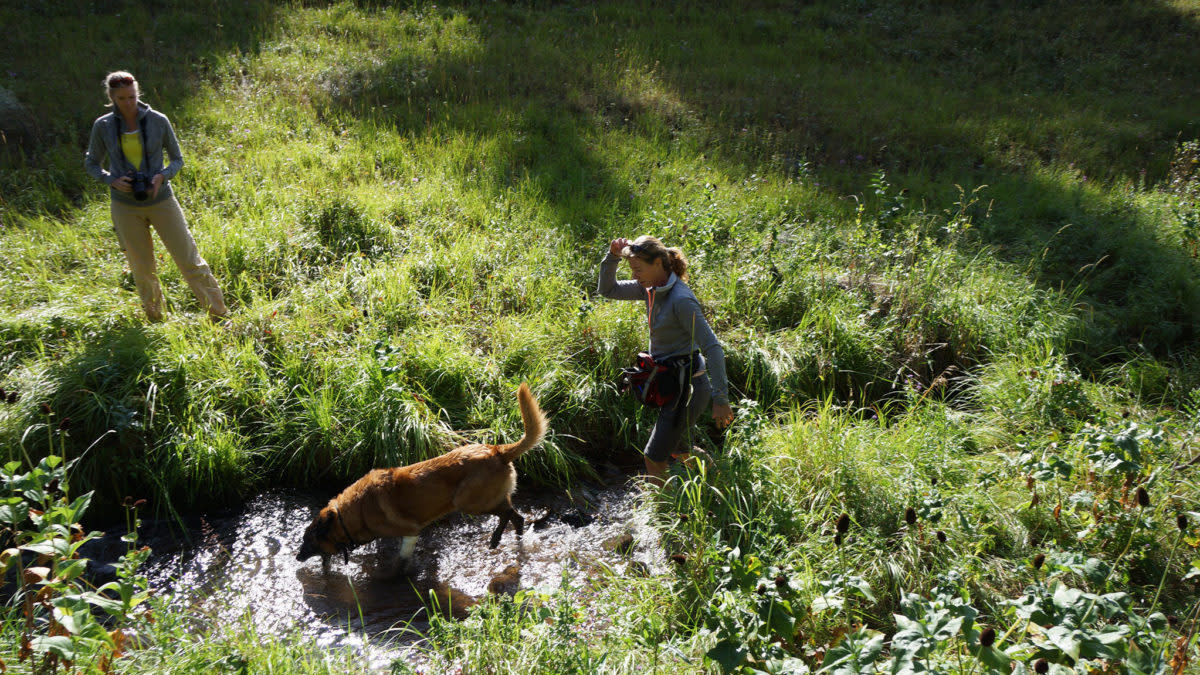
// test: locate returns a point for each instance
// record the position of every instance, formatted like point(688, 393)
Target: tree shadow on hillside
point(945, 95)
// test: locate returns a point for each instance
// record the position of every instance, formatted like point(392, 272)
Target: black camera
point(141, 185)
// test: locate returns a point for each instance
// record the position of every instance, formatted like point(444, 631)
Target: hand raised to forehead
point(617, 245)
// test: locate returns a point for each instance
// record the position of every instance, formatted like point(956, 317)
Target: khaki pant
point(132, 224)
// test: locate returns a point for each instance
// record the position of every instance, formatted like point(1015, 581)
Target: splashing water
point(243, 565)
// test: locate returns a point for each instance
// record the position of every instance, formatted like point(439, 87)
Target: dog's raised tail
point(535, 426)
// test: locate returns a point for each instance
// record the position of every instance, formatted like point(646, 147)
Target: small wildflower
point(1143, 497)
point(910, 515)
point(1039, 560)
point(941, 536)
point(843, 523)
point(988, 637)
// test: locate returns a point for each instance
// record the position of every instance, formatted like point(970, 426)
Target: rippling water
point(244, 562)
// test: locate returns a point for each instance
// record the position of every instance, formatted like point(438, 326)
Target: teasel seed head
point(1181, 521)
point(1041, 667)
point(941, 536)
point(1143, 497)
point(1039, 560)
point(910, 515)
point(843, 523)
point(988, 637)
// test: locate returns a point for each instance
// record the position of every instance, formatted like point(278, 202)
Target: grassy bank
point(950, 252)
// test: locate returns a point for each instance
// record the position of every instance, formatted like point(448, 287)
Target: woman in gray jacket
point(678, 333)
point(132, 138)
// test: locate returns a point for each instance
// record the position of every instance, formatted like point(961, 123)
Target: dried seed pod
point(1041, 666)
point(1029, 482)
point(1039, 560)
point(1037, 499)
point(843, 523)
point(761, 590)
point(45, 408)
point(910, 515)
point(64, 424)
point(781, 581)
point(941, 536)
point(679, 558)
point(1143, 497)
point(1181, 521)
point(1058, 511)
point(837, 539)
point(988, 637)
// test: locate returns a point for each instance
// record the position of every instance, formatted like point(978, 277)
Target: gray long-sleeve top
point(677, 324)
point(105, 143)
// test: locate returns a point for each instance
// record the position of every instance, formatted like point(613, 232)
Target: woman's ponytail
point(677, 262)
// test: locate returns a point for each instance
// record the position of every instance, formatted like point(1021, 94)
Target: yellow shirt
point(131, 147)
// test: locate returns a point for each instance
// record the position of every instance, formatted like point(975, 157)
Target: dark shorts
point(670, 431)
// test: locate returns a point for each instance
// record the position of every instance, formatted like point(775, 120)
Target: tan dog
point(399, 502)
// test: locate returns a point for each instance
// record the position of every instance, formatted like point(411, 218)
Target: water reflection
point(243, 563)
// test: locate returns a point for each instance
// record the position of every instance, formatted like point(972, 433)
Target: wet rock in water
point(507, 582)
point(577, 518)
point(622, 543)
point(637, 568)
point(452, 602)
point(543, 521)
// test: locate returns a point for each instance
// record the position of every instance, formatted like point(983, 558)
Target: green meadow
point(950, 250)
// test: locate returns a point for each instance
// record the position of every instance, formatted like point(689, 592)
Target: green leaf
point(729, 654)
point(61, 645)
point(855, 654)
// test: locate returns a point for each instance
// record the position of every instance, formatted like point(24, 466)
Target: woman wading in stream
point(133, 137)
point(680, 339)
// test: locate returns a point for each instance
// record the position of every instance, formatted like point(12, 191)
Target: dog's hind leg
point(507, 514)
point(504, 516)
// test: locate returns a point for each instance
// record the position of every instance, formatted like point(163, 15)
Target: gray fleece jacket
point(677, 324)
point(105, 142)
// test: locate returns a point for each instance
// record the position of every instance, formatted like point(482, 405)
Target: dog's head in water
point(321, 538)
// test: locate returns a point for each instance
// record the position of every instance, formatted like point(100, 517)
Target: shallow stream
point(242, 564)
